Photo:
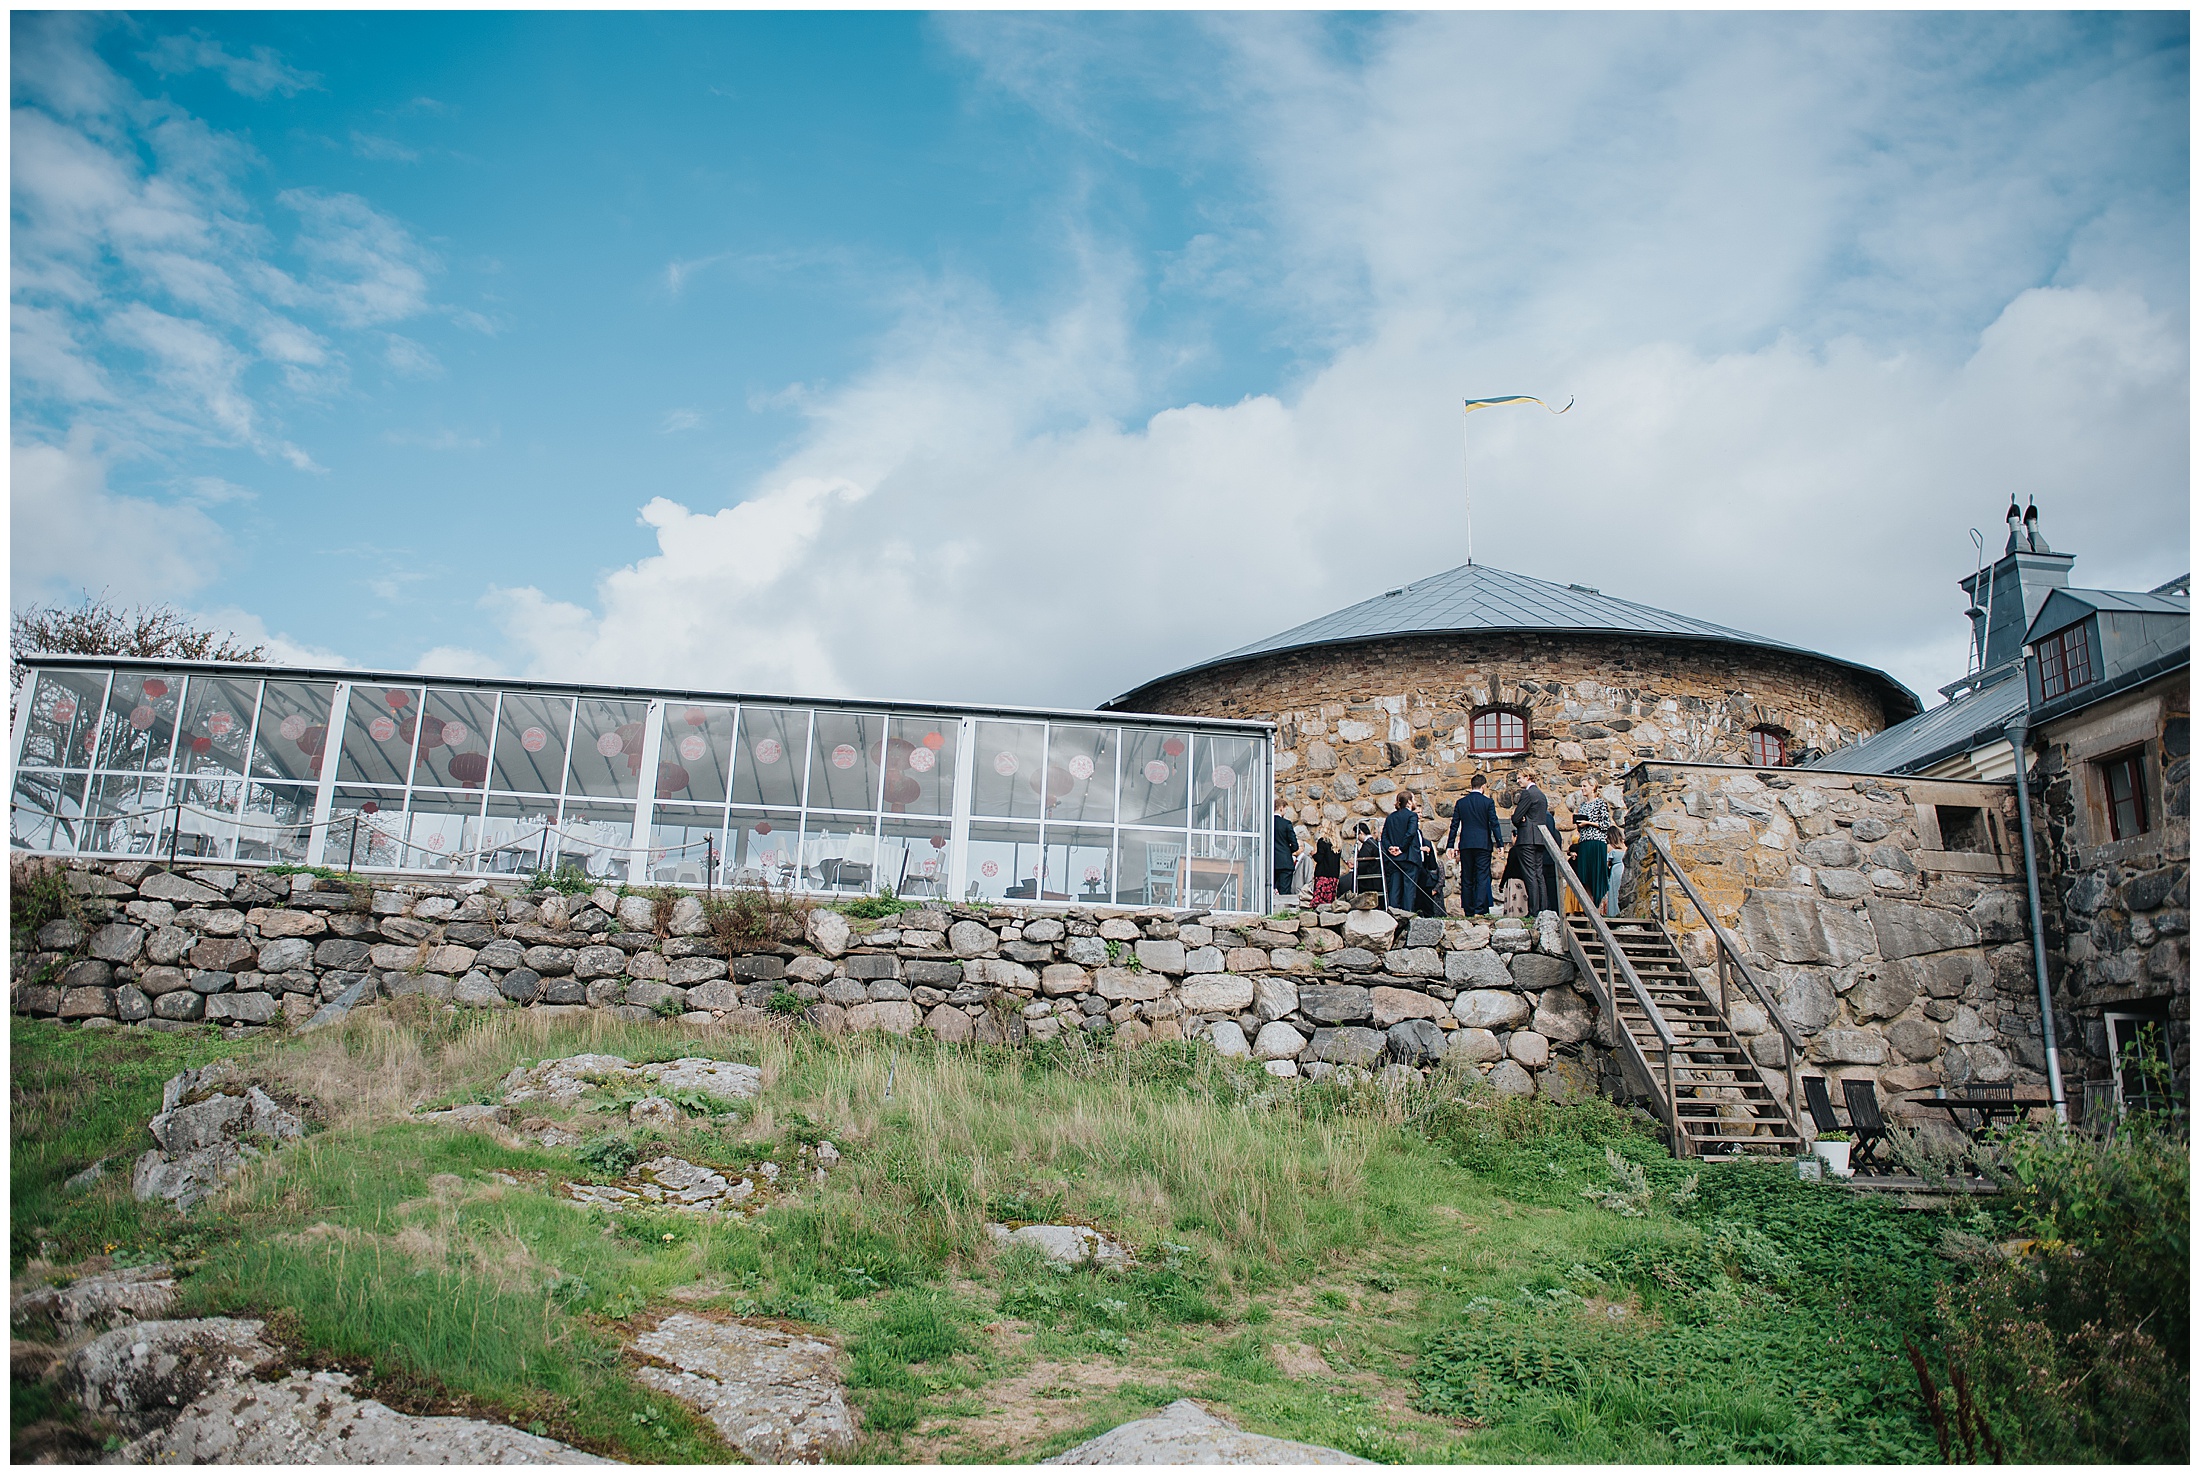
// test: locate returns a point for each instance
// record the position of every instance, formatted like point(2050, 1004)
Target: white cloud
point(676, 421)
point(1807, 283)
point(411, 359)
point(456, 660)
point(72, 534)
point(282, 649)
point(383, 150)
point(261, 74)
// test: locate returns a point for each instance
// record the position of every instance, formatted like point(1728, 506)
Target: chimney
point(2004, 598)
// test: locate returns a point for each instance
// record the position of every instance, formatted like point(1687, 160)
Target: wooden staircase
point(1715, 1100)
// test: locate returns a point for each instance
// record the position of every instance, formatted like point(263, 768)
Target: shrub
point(885, 904)
point(570, 880)
point(749, 915)
point(38, 893)
point(2074, 1339)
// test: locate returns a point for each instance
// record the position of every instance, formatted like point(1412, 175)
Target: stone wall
point(1893, 956)
point(2117, 912)
point(1355, 723)
point(251, 950)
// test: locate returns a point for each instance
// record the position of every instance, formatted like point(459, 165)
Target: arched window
point(1767, 747)
point(1497, 730)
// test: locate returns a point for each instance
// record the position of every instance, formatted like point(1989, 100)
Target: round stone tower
point(1481, 670)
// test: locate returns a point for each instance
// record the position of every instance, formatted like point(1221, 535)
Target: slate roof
point(1476, 597)
point(1970, 721)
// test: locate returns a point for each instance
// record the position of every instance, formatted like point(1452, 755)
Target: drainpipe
point(2015, 734)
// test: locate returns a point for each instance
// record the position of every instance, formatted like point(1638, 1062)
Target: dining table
point(1974, 1113)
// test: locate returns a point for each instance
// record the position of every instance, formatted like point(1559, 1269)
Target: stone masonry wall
point(1893, 957)
point(1306, 995)
point(1356, 723)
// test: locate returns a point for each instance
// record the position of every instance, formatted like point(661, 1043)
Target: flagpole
point(1465, 482)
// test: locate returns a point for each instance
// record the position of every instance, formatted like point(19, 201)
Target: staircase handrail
point(1612, 948)
point(1726, 944)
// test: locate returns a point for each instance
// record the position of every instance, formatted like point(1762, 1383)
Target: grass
point(1407, 1278)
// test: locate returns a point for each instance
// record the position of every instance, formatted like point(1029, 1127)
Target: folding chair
point(1820, 1104)
point(1866, 1123)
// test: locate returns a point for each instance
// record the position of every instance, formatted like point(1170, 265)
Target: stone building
point(1480, 670)
point(2094, 686)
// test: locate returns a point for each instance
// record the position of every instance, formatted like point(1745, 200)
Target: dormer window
point(2066, 662)
point(1495, 731)
point(1767, 748)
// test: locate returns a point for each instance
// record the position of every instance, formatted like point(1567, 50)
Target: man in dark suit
point(1473, 835)
point(1401, 854)
point(1531, 819)
point(1287, 855)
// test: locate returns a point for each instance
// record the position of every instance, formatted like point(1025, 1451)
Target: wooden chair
point(1865, 1122)
point(1820, 1103)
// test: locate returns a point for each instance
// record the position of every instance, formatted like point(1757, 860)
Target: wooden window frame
point(1779, 742)
point(2131, 765)
point(1499, 716)
point(2066, 662)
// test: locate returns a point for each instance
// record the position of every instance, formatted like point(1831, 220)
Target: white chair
point(1161, 871)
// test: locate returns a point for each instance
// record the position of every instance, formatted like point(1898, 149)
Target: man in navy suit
point(1286, 858)
point(1473, 835)
point(1531, 818)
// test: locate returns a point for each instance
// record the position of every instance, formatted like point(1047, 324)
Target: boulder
point(167, 886)
point(1335, 1003)
point(1843, 1046)
point(181, 1007)
point(309, 1418)
point(949, 1025)
point(1529, 1048)
point(134, 1293)
point(1805, 997)
point(773, 1394)
point(1563, 1016)
point(1372, 930)
point(1186, 1434)
point(1414, 962)
point(1414, 1042)
point(1203, 960)
point(1216, 993)
point(138, 1375)
point(726, 1080)
point(1058, 980)
point(286, 953)
point(1160, 955)
point(1794, 928)
point(1509, 1078)
point(359, 992)
point(1471, 1047)
point(88, 1003)
point(243, 1008)
point(1064, 1244)
point(1905, 930)
point(1883, 992)
point(1229, 1039)
point(972, 940)
point(892, 1015)
point(117, 942)
point(1534, 972)
point(1914, 1039)
point(1391, 1005)
point(1486, 1008)
point(1278, 1041)
point(1349, 1046)
point(1275, 997)
point(1481, 968)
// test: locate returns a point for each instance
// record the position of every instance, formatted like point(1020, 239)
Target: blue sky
point(1022, 358)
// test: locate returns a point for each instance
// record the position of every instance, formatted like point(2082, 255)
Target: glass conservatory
point(376, 771)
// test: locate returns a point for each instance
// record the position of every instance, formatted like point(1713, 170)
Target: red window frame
point(1497, 730)
point(1767, 748)
point(2124, 783)
point(2066, 662)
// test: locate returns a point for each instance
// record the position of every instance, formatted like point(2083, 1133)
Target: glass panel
point(845, 749)
point(365, 826)
point(516, 836)
point(454, 739)
point(1155, 776)
point(1148, 867)
point(595, 837)
point(206, 823)
point(378, 734)
point(128, 816)
point(920, 765)
point(1004, 859)
point(293, 730)
point(1081, 774)
point(685, 841)
point(1220, 873)
point(442, 831)
point(1226, 791)
point(1080, 865)
point(697, 749)
point(839, 852)
point(277, 823)
point(531, 733)
point(139, 727)
point(1010, 756)
point(768, 768)
point(63, 725)
point(762, 848)
point(217, 724)
point(45, 812)
point(912, 857)
point(607, 750)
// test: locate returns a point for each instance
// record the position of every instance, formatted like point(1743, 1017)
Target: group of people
point(1403, 866)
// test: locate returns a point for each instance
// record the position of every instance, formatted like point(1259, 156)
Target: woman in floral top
point(1592, 823)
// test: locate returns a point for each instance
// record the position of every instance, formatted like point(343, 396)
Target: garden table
point(1982, 1110)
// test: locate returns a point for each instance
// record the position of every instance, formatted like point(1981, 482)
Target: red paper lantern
point(671, 779)
point(939, 842)
point(313, 740)
point(898, 751)
point(902, 789)
point(764, 827)
point(202, 745)
point(1174, 747)
point(934, 741)
point(1059, 782)
point(370, 807)
point(156, 688)
point(398, 700)
point(470, 769)
point(697, 717)
point(431, 732)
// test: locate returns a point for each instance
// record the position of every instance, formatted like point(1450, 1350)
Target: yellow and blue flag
point(1515, 399)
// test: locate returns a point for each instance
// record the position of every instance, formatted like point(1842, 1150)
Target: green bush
point(885, 904)
point(2074, 1338)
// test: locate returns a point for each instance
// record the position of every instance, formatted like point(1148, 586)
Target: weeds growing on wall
point(884, 904)
point(750, 916)
point(38, 893)
point(567, 880)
